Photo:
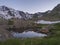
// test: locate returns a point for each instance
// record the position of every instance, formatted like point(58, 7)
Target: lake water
point(46, 22)
point(28, 34)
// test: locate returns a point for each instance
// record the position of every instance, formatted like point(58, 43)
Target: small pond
point(28, 34)
point(46, 22)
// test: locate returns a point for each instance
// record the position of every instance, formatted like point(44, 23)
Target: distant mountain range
point(8, 13)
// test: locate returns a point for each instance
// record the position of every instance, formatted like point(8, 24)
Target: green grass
point(37, 41)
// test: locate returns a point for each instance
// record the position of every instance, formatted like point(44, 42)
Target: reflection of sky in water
point(28, 34)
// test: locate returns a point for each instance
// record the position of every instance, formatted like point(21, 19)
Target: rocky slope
point(54, 14)
point(4, 34)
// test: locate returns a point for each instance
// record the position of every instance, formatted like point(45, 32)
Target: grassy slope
point(37, 41)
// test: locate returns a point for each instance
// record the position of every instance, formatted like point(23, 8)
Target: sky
point(31, 6)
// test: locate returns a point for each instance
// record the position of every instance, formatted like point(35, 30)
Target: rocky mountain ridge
point(8, 13)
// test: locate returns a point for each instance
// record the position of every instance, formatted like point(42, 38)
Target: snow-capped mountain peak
point(8, 13)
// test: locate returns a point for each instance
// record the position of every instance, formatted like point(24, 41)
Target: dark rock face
point(4, 8)
point(57, 8)
point(54, 14)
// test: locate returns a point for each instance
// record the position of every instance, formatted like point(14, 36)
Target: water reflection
point(46, 22)
point(28, 34)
